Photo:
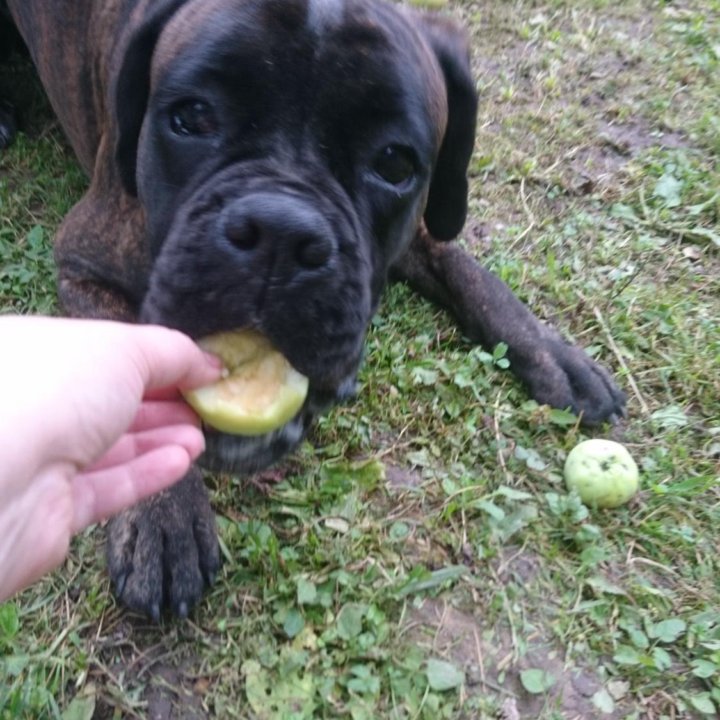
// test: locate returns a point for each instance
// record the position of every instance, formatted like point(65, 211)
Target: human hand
point(91, 422)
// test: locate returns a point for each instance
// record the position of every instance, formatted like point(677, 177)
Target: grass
point(419, 557)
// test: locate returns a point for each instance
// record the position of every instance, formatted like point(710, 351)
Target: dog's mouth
point(251, 414)
point(244, 454)
point(267, 252)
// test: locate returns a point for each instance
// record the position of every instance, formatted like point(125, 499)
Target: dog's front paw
point(164, 551)
point(565, 376)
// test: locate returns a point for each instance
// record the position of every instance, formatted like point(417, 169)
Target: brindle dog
point(268, 164)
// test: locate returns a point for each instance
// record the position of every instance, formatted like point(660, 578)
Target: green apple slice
point(259, 392)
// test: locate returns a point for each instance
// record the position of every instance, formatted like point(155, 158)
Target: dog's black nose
point(281, 229)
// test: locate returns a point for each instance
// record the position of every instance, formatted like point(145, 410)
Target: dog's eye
point(193, 117)
point(395, 164)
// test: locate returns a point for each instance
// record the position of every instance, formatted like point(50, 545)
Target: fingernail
point(213, 360)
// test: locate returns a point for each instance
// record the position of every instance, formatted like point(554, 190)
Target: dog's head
point(285, 152)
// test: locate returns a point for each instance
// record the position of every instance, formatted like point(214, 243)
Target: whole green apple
point(602, 472)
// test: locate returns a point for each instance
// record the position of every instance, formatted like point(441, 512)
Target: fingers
point(132, 445)
point(167, 358)
point(162, 413)
point(98, 495)
point(139, 464)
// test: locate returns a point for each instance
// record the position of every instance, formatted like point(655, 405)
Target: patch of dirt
point(562, 96)
point(172, 694)
point(631, 138)
point(401, 478)
point(164, 683)
point(598, 164)
point(517, 565)
point(493, 654)
point(493, 664)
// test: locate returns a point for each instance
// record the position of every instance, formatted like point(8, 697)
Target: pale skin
point(91, 422)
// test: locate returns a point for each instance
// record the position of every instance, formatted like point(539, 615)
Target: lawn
point(419, 556)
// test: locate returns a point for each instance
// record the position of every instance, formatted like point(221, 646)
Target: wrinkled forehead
point(378, 41)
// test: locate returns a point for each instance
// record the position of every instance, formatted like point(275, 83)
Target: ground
point(419, 557)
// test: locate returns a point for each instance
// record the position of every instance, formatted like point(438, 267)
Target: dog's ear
point(132, 87)
point(447, 200)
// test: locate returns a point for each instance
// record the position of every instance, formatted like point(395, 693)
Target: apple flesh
point(259, 392)
point(602, 472)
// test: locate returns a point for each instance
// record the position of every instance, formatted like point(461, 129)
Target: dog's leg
point(162, 552)
point(556, 373)
point(107, 285)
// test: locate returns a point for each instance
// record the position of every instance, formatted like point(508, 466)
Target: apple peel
point(602, 472)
